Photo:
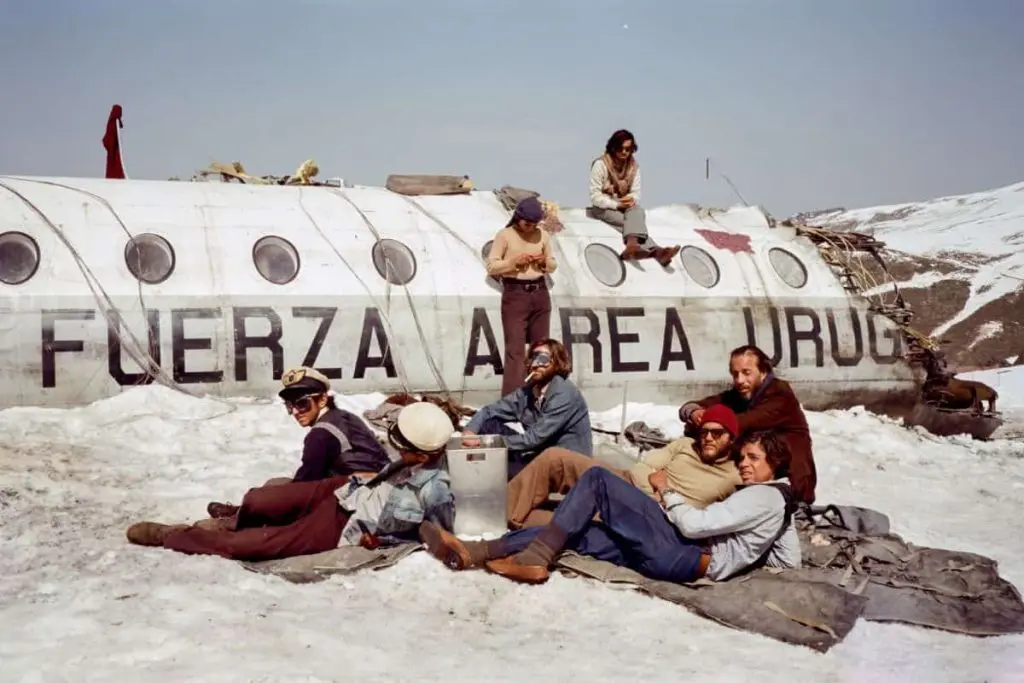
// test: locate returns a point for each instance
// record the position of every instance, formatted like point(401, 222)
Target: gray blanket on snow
point(853, 568)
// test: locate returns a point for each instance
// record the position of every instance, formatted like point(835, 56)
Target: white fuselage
point(82, 326)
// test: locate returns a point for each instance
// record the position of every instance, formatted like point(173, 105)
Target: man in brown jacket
point(764, 402)
point(702, 478)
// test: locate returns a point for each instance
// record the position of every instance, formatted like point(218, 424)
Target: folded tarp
point(846, 574)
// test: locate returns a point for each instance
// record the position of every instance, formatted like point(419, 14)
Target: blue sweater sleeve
point(558, 409)
point(507, 409)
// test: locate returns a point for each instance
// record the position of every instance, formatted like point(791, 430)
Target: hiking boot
point(664, 255)
point(633, 250)
point(152, 533)
point(216, 524)
point(453, 553)
point(219, 510)
point(532, 565)
point(522, 573)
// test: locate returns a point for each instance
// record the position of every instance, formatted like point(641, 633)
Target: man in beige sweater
point(702, 478)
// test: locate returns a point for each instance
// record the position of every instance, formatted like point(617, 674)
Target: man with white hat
point(310, 517)
point(414, 489)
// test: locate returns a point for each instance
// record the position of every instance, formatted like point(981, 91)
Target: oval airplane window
point(276, 259)
point(605, 264)
point(700, 266)
point(485, 251)
point(394, 261)
point(19, 258)
point(788, 267)
point(150, 258)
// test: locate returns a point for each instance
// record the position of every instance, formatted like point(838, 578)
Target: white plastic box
point(479, 477)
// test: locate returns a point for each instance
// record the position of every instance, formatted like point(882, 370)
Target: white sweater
point(598, 179)
point(740, 528)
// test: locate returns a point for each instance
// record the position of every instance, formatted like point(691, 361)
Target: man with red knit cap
point(671, 541)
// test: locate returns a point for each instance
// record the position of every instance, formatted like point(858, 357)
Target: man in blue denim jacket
point(551, 409)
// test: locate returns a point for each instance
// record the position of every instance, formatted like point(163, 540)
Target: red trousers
point(273, 522)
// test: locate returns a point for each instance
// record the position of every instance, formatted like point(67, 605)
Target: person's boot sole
point(522, 573)
point(445, 547)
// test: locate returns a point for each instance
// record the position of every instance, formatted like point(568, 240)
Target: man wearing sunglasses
point(338, 442)
point(275, 522)
point(550, 408)
point(702, 475)
point(764, 402)
point(669, 542)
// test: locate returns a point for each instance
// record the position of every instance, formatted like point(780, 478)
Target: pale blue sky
point(803, 103)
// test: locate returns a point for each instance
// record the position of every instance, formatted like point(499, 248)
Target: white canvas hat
point(424, 426)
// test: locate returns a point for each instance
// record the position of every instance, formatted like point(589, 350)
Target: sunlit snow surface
point(78, 603)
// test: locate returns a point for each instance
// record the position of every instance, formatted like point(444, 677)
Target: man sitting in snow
point(701, 479)
point(275, 522)
point(551, 409)
point(338, 442)
point(763, 401)
point(669, 542)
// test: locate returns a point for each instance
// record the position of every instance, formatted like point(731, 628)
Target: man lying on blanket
point(671, 541)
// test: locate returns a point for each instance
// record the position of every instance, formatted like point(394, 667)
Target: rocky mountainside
point(959, 262)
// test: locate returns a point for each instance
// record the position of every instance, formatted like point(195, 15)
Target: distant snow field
point(78, 603)
point(979, 235)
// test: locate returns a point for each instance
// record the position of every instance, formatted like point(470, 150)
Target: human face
point(526, 227)
point(541, 365)
point(714, 440)
point(625, 151)
point(305, 409)
point(753, 464)
point(746, 377)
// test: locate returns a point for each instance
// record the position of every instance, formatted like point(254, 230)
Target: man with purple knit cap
point(521, 258)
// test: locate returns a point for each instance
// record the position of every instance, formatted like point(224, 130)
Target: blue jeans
point(516, 461)
point(633, 532)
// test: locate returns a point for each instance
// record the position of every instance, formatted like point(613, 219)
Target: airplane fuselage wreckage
point(218, 287)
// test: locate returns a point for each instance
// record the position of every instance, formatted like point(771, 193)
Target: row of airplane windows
point(151, 259)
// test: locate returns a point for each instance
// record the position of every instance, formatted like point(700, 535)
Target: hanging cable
point(130, 343)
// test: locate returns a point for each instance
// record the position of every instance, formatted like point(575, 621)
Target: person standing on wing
point(521, 258)
point(615, 199)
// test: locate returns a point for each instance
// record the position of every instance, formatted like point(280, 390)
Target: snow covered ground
point(78, 603)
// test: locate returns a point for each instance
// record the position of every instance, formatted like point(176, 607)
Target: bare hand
point(658, 480)
point(627, 203)
point(697, 417)
point(524, 260)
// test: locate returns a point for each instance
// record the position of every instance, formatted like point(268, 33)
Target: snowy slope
point(961, 262)
point(78, 603)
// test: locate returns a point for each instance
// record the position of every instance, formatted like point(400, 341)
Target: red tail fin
point(112, 143)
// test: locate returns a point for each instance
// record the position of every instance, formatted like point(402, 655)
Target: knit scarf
point(618, 185)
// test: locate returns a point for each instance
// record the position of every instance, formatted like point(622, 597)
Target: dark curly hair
point(617, 139)
point(559, 356)
point(776, 450)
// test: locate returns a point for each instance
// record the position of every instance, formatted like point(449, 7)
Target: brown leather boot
point(532, 564)
point(219, 510)
point(664, 255)
point(453, 552)
point(152, 533)
point(633, 250)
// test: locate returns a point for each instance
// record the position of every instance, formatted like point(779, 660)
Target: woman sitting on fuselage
point(551, 409)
